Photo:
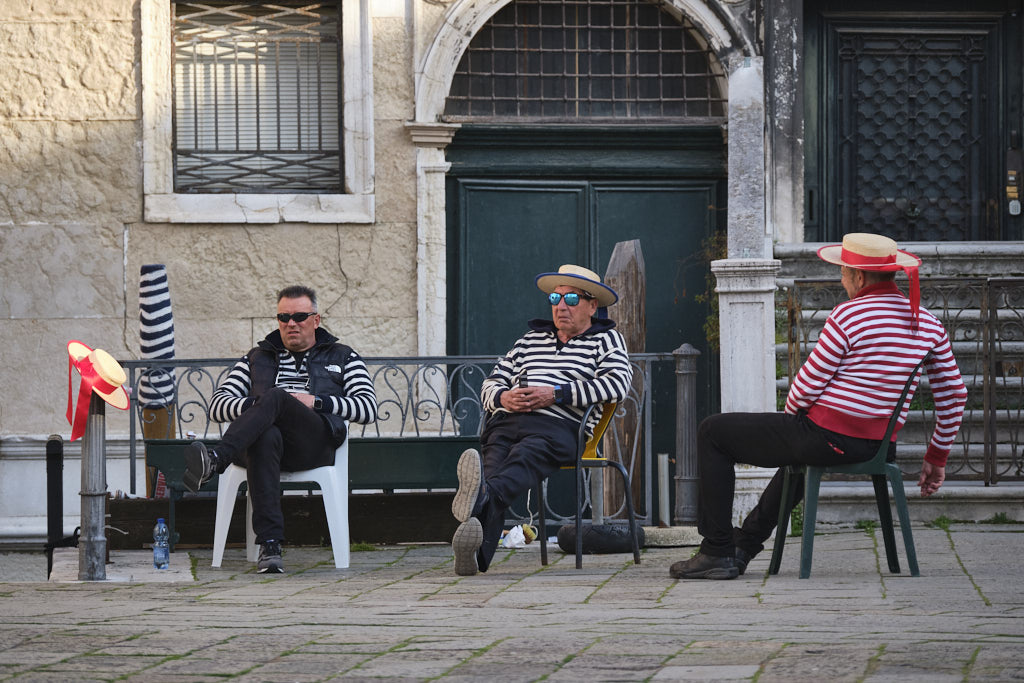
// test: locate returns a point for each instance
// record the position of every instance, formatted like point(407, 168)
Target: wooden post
point(627, 275)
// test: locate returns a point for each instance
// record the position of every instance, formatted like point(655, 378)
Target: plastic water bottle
point(161, 545)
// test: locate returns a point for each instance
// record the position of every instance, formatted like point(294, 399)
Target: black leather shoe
point(702, 566)
point(743, 558)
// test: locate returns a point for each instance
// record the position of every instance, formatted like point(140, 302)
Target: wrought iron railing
point(985, 321)
point(416, 396)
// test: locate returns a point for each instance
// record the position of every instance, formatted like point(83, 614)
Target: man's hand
point(931, 479)
point(526, 399)
point(305, 399)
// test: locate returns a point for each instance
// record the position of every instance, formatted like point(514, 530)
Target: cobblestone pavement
point(401, 613)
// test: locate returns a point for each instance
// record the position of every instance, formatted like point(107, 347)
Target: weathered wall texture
point(72, 235)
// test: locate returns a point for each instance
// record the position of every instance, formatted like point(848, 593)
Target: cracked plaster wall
point(72, 236)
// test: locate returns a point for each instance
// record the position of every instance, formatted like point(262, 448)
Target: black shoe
point(470, 473)
point(743, 558)
point(702, 566)
point(270, 558)
point(200, 466)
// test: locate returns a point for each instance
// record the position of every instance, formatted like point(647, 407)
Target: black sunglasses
point(571, 299)
point(297, 317)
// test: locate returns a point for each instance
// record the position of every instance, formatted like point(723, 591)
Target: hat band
point(78, 412)
point(854, 259)
point(104, 387)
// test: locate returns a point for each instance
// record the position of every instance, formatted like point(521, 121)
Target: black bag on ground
point(599, 538)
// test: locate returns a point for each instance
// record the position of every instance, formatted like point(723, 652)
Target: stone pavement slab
point(400, 612)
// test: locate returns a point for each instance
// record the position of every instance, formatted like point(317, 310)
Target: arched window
point(565, 60)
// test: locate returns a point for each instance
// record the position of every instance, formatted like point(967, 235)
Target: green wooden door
point(524, 201)
point(508, 231)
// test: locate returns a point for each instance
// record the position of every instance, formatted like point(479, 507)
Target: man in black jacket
point(288, 401)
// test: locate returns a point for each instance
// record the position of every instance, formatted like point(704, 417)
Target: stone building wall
point(72, 233)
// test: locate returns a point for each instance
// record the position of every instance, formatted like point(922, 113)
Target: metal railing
point(416, 396)
point(985, 321)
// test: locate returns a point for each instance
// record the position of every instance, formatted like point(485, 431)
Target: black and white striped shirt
point(358, 404)
point(592, 368)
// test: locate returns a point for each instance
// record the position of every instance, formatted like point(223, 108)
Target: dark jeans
point(277, 433)
point(763, 440)
point(519, 450)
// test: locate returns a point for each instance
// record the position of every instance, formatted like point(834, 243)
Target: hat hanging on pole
point(100, 373)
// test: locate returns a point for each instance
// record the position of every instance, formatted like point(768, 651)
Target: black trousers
point(763, 440)
point(518, 451)
point(277, 433)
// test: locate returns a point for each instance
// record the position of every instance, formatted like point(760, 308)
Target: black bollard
point(54, 497)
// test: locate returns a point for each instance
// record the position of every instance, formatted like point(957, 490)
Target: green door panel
point(671, 220)
point(507, 233)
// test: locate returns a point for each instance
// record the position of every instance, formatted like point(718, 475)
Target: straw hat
point(866, 251)
point(580, 278)
point(101, 374)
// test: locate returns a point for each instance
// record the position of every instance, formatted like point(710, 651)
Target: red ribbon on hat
point(888, 263)
point(90, 380)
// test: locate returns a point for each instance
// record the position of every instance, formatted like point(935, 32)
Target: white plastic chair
point(333, 482)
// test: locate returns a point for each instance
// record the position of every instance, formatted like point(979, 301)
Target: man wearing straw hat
point(535, 398)
point(288, 400)
point(838, 406)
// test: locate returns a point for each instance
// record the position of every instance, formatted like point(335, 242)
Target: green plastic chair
point(879, 470)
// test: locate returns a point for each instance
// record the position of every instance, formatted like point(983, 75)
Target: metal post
point(597, 494)
point(92, 548)
point(54, 497)
point(686, 435)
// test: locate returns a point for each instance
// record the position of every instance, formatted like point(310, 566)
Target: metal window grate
point(256, 97)
point(572, 59)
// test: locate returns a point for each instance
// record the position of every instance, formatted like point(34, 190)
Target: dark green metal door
point(507, 231)
point(913, 119)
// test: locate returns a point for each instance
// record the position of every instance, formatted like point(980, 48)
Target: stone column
point(746, 279)
point(431, 241)
point(746, 301)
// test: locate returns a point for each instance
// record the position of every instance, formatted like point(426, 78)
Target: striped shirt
point(855, 374)
point(591, 368)
point(358, 404)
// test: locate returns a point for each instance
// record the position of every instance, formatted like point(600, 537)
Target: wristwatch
point(318, 404)
point(558, 395)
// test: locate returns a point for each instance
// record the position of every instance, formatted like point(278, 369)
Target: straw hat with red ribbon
point(866, 251)
point(101, 374)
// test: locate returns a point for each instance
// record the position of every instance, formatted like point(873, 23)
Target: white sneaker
point(465, 544)
point(470, 471)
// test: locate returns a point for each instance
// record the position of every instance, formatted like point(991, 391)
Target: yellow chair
point(588, 456)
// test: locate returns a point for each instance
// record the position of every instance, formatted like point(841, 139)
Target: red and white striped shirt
point(854, 375)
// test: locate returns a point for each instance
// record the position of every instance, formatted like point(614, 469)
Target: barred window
point(564, 60)
point(257, 90)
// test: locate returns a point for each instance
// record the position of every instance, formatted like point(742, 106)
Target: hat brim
point(117, 398)
point(833, 253)
point(605, 295)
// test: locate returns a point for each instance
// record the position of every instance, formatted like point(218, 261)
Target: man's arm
point(950, 396)
point(231, 397)
point(498, 383)
point(818, 370)
point(357, 402)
